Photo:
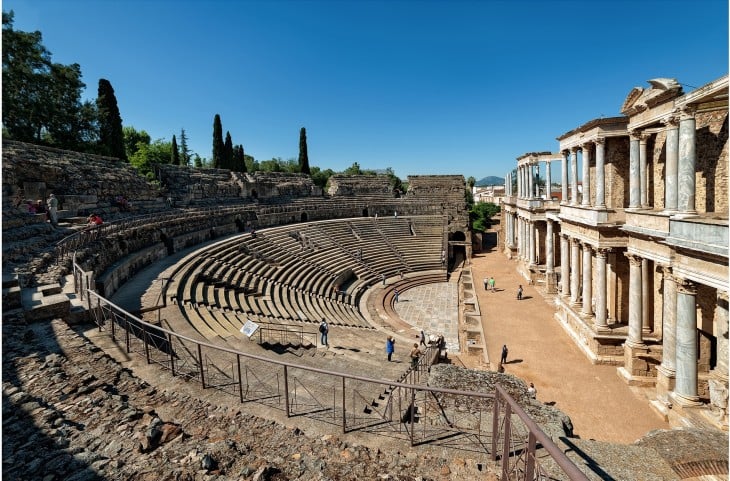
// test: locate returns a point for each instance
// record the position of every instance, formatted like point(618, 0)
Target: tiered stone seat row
point(286, 274)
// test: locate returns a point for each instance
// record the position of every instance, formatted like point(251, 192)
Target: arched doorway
point(304, 217)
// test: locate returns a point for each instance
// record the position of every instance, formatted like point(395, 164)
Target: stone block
point(11, 297)
point(55, 306)
point(50, 289)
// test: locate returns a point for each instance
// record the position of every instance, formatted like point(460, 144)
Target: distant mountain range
point(490, 180)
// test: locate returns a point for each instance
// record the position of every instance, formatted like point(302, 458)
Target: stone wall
point(276, 185)
point(80, 181)
point(712, 162)
point(189, 185)
point(368, 185)
point(617, 172)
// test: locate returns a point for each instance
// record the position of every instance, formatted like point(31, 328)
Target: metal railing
point(488, 424)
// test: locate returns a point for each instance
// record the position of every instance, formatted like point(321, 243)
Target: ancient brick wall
point(351, 185)
point(712, 162)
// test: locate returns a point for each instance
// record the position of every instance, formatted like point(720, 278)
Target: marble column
point(574, 271)
point(519, 182)
point(564, 178)
point(646, 324)
point(574, 176)
point(685, 389)
point(601, 173)
point(643, 174)
point(548, 181)
point(531, 236)
point(586, 201)
point(549, 248)
point(636, 338)
point(601, 288)
point(587, 279)
point(531, 181)
point(687, 159)
point(634, 174)
point(565, 265)
point(669, 324)
point(671, 166)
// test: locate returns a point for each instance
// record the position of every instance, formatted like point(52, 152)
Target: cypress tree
point(228, 152)
point(111, 136)
point(184, 150)
point(175, 153)
point(303, 158)
point(217, 142)
point(241, 159)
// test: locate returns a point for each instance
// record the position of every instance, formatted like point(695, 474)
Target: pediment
point(640, 99)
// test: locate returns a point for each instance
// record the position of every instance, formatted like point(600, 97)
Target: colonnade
point(570, 186)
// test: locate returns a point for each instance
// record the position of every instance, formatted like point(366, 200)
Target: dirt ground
point(600, 404)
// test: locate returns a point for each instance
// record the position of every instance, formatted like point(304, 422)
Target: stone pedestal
point(551, 282)
point(637, 369)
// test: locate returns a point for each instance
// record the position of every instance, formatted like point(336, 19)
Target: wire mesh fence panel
point(311, 393)
point(221, 371)
point(186, 362)
point(262, 383)
point(367, 404)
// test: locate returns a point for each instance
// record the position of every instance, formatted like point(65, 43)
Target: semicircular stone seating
point(301, 273)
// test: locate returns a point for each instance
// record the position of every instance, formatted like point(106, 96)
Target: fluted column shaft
point(635, 335)
point(643, 174)
point(686, 347)
point(565, 265)
point(531, 236)
point(646, 326)
point(587, 279)
point(671, 169)
point(687, 160)
point(574, 177)
point(586, 201)
point(531, 181)
point(669, 323)
point(548, 182)
point(550, 249)
point(600, 173)
point(601, 288)
point(574, 271)
point(634, 174)
point(564, 178)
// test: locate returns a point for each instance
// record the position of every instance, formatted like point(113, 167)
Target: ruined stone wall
point(617, 172)
point(79, 181)
point(190, 185)
point(368, 185)
point(276, 185)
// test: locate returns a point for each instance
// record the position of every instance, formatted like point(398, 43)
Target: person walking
point(415, 354)
point(531, 391)
point(395, 295)
point(423, 338)
point(390, 347)
point(486, 283)
point(505, 351)
point(492, 284)
point(519, 293)
point(324, 329)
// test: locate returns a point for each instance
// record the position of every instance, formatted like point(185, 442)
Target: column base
point(685, 401)
point(601, 328)
point(551, 282)
point(665, 382)
point(685, 215)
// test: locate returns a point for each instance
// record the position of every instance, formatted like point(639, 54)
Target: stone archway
point(303, 217)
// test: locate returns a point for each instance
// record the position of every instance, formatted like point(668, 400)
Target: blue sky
point(424, 87)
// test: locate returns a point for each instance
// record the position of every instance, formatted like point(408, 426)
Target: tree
point(239, 159)
point(481, 215)
point(471, 181)
point(197, 161)
point(320, 177)
point(175, 153)
point(228, 152)
point(42, 100)
point(217, 142)
point(184, 150)
point(354, 169)
point(157, 152)
point(132, 139)
point(111, 136)
point(303, 157)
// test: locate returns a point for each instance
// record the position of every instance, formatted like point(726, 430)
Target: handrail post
point(413, 413)
point(286, 391)
point(344, 408)
point(505, 445)
point(146, 344)
point(495, 425)
point(200, 361)
point(240, 380)
point(126, 332)
point(172, 354)
point(530, 460)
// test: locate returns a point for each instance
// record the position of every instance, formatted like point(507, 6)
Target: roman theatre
point(179, 339)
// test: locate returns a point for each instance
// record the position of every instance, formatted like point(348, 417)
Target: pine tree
point(303, 158)
point(184, 149)
point(111, 136)
point(217, 142)
point(175, 153)
point(228, 152)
